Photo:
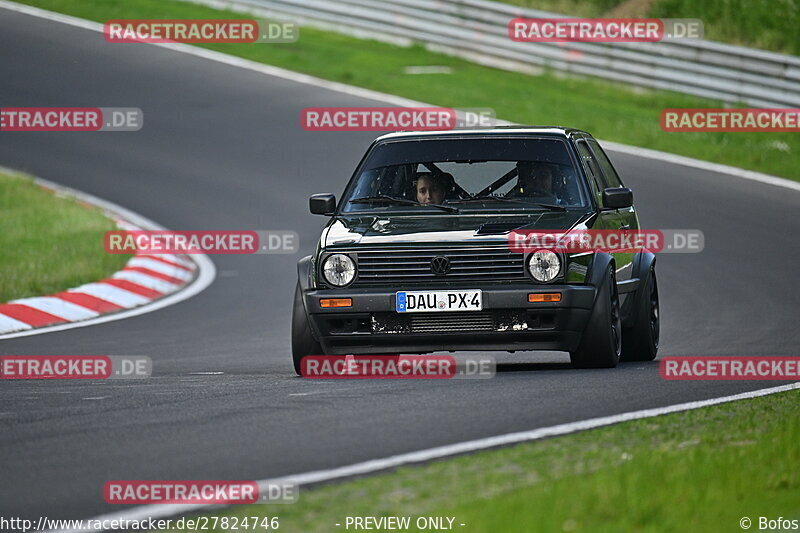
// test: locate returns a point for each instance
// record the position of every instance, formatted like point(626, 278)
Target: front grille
point(442, 322)
point(449, 322)
point(408, 267)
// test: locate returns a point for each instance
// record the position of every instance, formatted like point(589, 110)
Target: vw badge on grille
point(440, 265)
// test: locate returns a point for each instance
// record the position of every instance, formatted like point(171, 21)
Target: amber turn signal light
point(544, 297)
point(336, 302)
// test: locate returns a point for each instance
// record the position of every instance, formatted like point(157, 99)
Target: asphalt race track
point(222, 148)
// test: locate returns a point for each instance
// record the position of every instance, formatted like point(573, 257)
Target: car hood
point(462, 229)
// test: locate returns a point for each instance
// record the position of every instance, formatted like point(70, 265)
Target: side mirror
point(617, 198)
point(322, 204)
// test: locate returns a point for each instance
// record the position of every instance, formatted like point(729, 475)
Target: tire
point(640, 341)
point(303, 341)
point(601, 343)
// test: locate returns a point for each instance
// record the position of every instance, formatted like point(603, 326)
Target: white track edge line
point(440, 452)
point(360, 92)
point(206, 271)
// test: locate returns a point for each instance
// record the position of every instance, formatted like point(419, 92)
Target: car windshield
point(456, 175)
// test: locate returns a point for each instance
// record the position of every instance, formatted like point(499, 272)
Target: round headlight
point(339, 270)
point(544, 265)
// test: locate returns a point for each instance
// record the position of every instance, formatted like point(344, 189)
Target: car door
point(627, 216)
point(615, 219)
point(612, 179)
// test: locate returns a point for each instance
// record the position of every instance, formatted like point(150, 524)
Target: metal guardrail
point(477, 30)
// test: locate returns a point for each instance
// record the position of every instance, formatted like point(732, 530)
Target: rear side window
point(612, 178)
point(592, 170)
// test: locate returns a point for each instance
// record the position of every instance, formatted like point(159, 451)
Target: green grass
point(50, 243)
point(700, 470)
point(767, 24)
point(610, 111)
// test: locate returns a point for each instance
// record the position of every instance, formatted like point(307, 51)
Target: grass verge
point(51, 243)
point(700, 470)
point(766, 24)
point(610, 111)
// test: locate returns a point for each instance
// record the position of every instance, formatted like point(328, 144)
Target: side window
point(592, 170)
point(612, 178)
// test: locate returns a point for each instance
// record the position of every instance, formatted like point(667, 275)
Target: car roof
point(559, 131)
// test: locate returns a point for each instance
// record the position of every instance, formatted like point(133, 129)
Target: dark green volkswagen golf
point(416, 257)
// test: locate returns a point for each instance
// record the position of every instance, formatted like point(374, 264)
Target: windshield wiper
point(384, 199)
point(504, 199)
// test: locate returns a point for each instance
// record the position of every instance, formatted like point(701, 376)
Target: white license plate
point(427, 301)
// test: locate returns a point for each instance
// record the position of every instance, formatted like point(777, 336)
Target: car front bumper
point(507, 322)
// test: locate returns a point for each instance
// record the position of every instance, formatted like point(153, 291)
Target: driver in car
point(533, 179)
point(430, 188)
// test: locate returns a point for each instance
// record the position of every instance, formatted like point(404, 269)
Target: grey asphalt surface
point(222, 148)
